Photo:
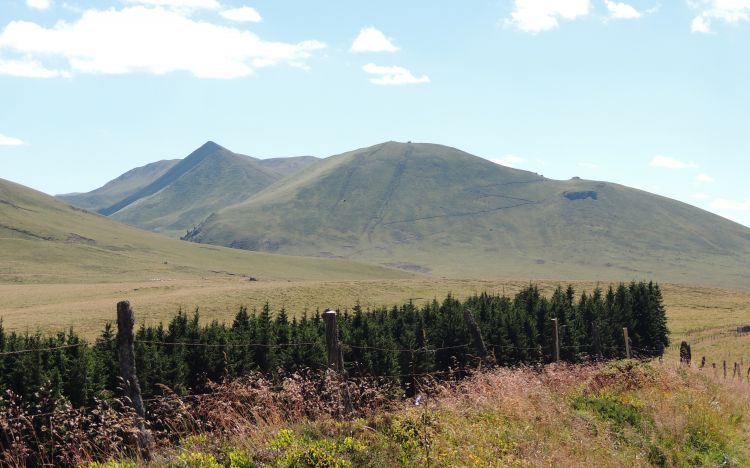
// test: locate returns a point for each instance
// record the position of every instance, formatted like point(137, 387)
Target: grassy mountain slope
point(121, 187)
point(45, 240)
point(210, 178)
point(288, 166)
point(436, 209)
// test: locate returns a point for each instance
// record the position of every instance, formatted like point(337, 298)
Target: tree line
point(396, 343)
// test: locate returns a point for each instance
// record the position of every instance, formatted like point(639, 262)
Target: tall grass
point(623, 413)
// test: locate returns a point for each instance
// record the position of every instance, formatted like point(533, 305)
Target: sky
point(653, 95)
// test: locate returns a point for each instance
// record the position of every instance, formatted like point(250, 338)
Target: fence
point(126, 341)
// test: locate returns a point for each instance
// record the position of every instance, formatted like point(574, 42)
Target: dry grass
point(618, 414)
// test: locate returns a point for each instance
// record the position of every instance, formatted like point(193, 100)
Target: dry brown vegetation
point(622, 413)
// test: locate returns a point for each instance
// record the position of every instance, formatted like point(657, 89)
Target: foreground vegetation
point(399, 344)
point(622, 413)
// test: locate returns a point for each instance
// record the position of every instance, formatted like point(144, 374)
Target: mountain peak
point(210, 146)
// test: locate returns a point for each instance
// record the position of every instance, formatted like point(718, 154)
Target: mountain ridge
point(439, 209)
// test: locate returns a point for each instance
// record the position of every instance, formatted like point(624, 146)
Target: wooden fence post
point(336, 358)
point(627, 342)
point(725, 368)
point(126, 354)
point(332, 340)
point(557, 340)
point(685, 354)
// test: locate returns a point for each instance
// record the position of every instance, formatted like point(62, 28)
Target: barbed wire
point(42, 350)
point(423, 349)
point(228, 345)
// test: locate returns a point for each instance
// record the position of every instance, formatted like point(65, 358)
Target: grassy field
point(705, 317)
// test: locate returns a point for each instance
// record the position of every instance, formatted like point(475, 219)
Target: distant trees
point(396, 342)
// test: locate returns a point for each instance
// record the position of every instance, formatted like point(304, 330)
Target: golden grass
point(619, 414)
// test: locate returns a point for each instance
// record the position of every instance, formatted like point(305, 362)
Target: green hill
point(45, 240)
point(209, 179)
point(288, 166)
point(121, 187)
point(436, 209)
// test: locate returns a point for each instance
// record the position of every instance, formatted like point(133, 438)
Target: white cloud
point(729, 11)
point(700, 196)
point(670, 163)
point(148, 40)
point(542, 15)
point(372, 40)
point(243, 14)
point(391, 76)
point(179, 4)
point(700, 25)
point(9, 141)
point(730, 205)
point(705, 178)
point(622, 10)
point(29, 69)
point(510, 160)
point(39, 4)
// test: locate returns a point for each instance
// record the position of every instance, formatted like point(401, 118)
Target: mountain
point(432, 208)
point(288, 166)
point(210, 178)
point(121, 187)
point(44, 240)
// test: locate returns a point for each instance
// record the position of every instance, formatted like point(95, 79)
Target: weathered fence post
point(336, 358)
point(557, 340)
point(725, 368)
point(332, 340)
point(126, 353)
point(685, 354)
point(476, 334)
point(627, 342)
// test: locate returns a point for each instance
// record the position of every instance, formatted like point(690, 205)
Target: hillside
point(432, 208)
point(43, 240)
point(121, 187)
point(288, 166)
point(209, 179)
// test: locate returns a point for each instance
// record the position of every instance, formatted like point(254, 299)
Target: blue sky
point(651, 95)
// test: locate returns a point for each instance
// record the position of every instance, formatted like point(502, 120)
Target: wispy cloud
point(700, 25)
point(536, 16)
point(392, 75)
point(728, 11)
point(670, 163)
point(179, 4)
point(142, 39)
point(371, 39)
point(9, 141)
point(243, 14)
point(705, 178)
point(29, 69)
point(700, 196)
point(39, 4)
point(619, 10)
